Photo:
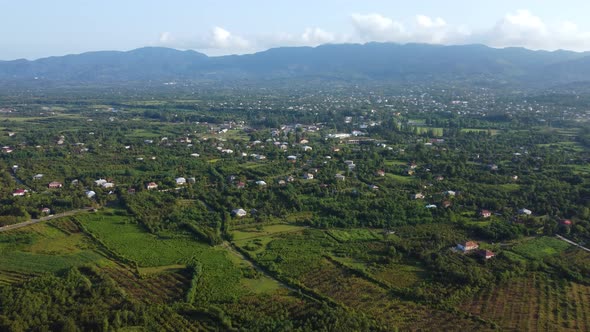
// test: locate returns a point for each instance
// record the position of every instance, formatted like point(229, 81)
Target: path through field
point(50, 217)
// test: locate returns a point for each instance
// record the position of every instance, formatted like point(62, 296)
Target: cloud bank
point(520, 28)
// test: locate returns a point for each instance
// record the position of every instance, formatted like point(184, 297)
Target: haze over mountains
point(350, 62)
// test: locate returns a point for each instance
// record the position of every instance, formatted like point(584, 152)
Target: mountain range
point(362, 62)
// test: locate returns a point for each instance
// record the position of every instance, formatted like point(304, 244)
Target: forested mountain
point(413, 63)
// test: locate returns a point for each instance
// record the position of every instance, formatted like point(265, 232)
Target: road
point(36, 221)
point(573, 243)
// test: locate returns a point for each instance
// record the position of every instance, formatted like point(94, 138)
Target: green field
point(350, 235)
point(477, 130)
point(400, 178)
point(221, 277)
point(43, 248)
point(251, 233)
point(539, 248)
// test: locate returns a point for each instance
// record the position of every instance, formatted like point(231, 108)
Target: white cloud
point(427, 22)
point(165, 37)
point(223, 39)
point(518, 28)
point(522, 28)
point(375, 27)
point(316, 36)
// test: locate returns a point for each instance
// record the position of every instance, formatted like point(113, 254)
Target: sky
point(33, 29)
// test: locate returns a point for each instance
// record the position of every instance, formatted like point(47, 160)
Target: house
point(431, 206)
point(467, 246)
point(514, 177)
point(486, 254)
point(410, 172)
point(7, 149)
point(349, 162)
point(492, 167)
point(152, 185)
point(282, 182)
point(261, 183)
point(380, 172)
point(107, 185)
point(308, 176)
point(239, 212)
point(450, 193)
point(241, 185)
point(19, 192)
point(447, 204)
point(339, 177)
point(45, 210)
point(413, 165)
point(180, 181)
point(291, 158)
point(525, 212)
point(485, 213)
point(303, 141)
point(440, 178)
point(417, 196)
point(54, 185)
point(307, 148)
point(38, 177)
point(131, 191)
point(566, 222)
point(195, 155)
point(290, 178)
point(373, 187)
point(100, 182)
point(90, 194)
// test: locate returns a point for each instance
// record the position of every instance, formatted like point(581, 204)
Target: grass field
point(349, 235)
point(476, 130)
point(221, 280)
point(44, 248)
point(400, 178)
point(265, 231)
point(400, 275)
point(538, 248)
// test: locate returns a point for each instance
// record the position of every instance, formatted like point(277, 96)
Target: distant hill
point(371, 61)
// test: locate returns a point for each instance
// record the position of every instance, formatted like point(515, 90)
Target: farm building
point(54, 185)
point(239, 212)
point(467, 246)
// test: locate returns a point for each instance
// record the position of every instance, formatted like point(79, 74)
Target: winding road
point(50, 217)
point(572, 243)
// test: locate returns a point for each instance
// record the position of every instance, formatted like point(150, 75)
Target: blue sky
point(38, 28)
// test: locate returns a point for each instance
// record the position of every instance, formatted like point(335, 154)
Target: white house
point(90, 194)
point(100, 182)
point(239, 212)
point(525, 212)
point(261, 183)
point(180, 181)
point(467, 246)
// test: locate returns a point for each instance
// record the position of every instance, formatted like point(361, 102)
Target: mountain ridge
point(371, 61)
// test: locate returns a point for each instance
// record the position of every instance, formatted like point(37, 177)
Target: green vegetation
point(205, 215)
point(540, 248)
